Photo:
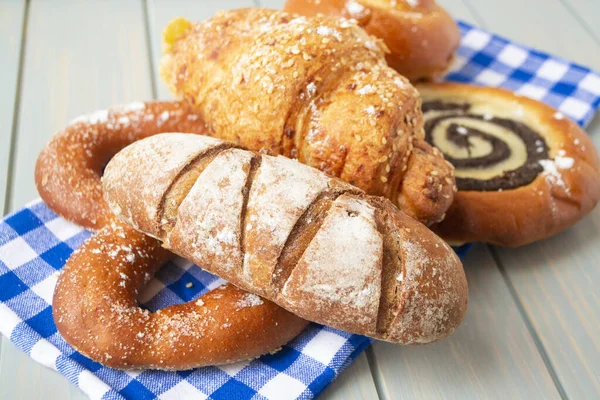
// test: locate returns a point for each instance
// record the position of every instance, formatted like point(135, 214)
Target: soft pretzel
point(68, 170)
point(316, 89)
point(524, 171)
point(96, 311)
point(420, 35)
point(94, 306)
point(313, 244)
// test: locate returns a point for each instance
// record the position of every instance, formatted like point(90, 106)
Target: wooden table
point(533, 325)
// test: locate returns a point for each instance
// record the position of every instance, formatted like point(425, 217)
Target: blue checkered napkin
point(35, 244)
point(490, 60)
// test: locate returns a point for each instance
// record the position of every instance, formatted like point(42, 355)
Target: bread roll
point(420, 35)
point(312, 244)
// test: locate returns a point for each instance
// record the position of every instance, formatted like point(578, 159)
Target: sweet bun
point(524, 171)
point(420, 35)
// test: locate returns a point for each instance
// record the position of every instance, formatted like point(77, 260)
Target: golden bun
point(421, 36)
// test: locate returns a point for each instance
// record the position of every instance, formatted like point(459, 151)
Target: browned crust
point(68, 170)
point(419, 275)
point(535, 211)
point(94, 306)
point(421, 39)
point(96, 311)
point(430, 283)
point(317, 89)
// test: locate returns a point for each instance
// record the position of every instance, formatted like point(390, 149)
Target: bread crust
point(555, 200)
point(312, 244)
point(95, 310)
point(68, 170)
point(421, 37)
point(95, 306)
point(316, 89)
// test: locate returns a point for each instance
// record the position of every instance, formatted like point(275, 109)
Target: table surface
point(533, 325)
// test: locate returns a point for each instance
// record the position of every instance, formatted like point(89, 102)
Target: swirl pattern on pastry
point(489, 153)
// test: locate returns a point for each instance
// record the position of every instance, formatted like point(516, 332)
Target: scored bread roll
point(420, 35)
point(524, 171)
point(316, 89)
point(312, 244)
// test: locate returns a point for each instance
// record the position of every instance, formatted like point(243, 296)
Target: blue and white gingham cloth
point(35, 244)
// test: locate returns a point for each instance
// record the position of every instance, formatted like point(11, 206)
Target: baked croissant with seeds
point(315, 89)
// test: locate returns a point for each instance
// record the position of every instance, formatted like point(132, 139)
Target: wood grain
point(11, 32)
point(555, 281)
point(80, 56)
point(459, 10)
point(586, 11)
point(23, 378)
point(355, 383)
point(490, 356)
point(543, 24)
point(275, 4)
point(75, 64)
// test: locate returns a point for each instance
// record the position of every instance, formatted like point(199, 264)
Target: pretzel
point(68, 170)
point(96, 311)
point(94, 306)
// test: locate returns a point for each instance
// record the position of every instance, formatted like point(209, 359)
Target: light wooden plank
point(356, 382)
point(587, 11)
point(275, 4)
point(160, 12)
point(490, 356)
point(459, 10)
point(80, 56)
point(556, 280)
point(543, 24)
point(11, 30)
point(26, 379)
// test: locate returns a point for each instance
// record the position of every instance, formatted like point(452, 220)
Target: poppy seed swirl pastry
point(524, 171)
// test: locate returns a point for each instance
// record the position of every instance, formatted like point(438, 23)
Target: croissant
point(315, 89)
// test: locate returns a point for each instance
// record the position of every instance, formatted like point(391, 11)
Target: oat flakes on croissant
point(316, 89)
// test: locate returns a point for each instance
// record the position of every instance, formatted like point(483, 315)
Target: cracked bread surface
point(314, 245)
